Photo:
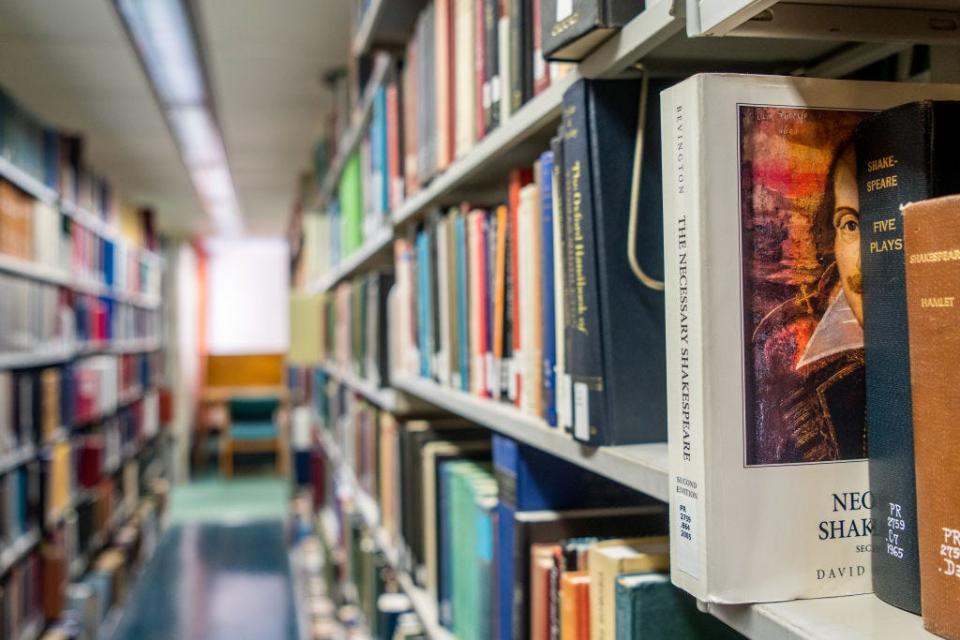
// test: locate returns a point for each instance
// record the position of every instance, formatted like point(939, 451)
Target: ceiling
point(70, 62)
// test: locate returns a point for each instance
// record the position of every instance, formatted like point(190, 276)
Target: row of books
point(35, 231)
point(57, 161)
point(20, 596)
point(809, 201)
point(530, 302)
point(19, 503)
point(493, 530)
point(85, 605)
point(36, 403)
point(357, 330)
point(37, 316)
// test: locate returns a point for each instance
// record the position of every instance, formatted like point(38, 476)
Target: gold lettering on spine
point(579, 249)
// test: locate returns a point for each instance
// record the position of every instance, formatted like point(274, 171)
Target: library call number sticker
point(950, 552)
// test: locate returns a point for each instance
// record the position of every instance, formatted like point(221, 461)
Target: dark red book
point(394, 165)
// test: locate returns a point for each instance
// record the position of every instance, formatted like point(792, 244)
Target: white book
point(465, 75)
point(503, 57)
point(530, 358)
point(769, 490)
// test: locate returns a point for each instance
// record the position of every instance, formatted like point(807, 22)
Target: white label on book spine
point(512, 379)
point(492, 380)
point(564, 9)
point(581, 411)
point(688, 539)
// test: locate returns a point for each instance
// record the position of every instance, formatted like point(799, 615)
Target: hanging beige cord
point(650, 283)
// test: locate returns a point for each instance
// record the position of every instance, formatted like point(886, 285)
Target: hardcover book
point(932, 253)
point(573, 28)
point(898, 160)
point(618, 397)
point(609, 559)
point(765, 369)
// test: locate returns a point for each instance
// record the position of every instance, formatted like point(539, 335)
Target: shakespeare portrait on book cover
point(802, 295)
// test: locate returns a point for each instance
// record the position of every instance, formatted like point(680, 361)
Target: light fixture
point(162, 33)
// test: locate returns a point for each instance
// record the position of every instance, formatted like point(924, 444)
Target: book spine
point(492, 92)
point(481, 76)
point(932, 251)
point(499, 293)
point(584, 356)
point(520, 55)
point(895, 165)
point(463, 306)
point(547, 272)
point(683, 270)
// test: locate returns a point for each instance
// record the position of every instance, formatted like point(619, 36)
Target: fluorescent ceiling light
point(197, 135)
point(161, 31)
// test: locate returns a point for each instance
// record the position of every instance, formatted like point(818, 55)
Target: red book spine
point(480, 67)
point(519, 178)
point(395, 178)
point(541, 70)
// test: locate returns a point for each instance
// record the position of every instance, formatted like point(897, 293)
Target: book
point(575, 605)
point(433, 455)
point(931, 254)
point(447, 70)
point(350, 195)
point(464, 52)
point(618, 398)
point(608, 560)
point(530, 480)
point(549, 241)
point(897, 159)
point(573, 28)
point(529, 290)
point(648, 605)
point(541, 564)
point(779, 400)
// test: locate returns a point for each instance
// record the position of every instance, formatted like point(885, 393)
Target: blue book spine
point(424, 303)
point(463, 334)
point(549, 304)
point(380, 144)
point(484, 529)
point(444, 587)
point(109, 269)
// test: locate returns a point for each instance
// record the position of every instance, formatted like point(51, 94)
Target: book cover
point(766, 397)
point(463, 297)
point(505, 60)
point(530, 480)
point(618, 398)
point(411, 104)
point(492, 85)
point(477, 266)
point(519, 178)
point(464, 50)
point(573, 28)
point(607, 560)
point(481, 77)
point(530, 290)
point(541, 563)
point(446, 72)
point(499, 293)
point(395, 147)
point(575, 605)
point(548, 273)
point(424, 304)
point(350, 195)
point(433, 455)
point(649, 606)
point(553, 526)
point(896, 159)
point(932, 253)
point(520, 52)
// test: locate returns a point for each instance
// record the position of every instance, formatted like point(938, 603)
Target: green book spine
point(351, 206)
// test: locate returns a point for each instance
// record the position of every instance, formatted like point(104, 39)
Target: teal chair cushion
point(253, 409)
point(253, 430)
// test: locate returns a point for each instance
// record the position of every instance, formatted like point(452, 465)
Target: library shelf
point(642, 467)
point(36, 358)
point(16, 457)
point(387, 398)
point(26, 182)
point(423, 604)
point(374, 247)
point(386, 23)
point(16, 550)
point(33, 630)
point(99, 226)
point(860, 617)
point(352, 137)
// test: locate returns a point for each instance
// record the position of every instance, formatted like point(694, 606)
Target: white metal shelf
point(387, 398)
point(56, 355)
point(642, 467)
point(385, 22)
point(349, 142)
point(26, 182)
point(20, 547)
point(375, 246)
point(863, 617)
point(16, 457)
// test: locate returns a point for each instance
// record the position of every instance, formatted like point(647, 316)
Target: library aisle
point(479, 319)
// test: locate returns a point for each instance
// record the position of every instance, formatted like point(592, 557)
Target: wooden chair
point(255, 425)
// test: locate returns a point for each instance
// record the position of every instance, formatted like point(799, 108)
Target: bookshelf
point(384, 23)
point(389, 399)
point(824, 39)
point(18, 549)
point(642, 467)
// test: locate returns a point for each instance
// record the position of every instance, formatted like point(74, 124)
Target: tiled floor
point(221, 570)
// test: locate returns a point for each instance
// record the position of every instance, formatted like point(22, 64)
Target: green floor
point(230, 501)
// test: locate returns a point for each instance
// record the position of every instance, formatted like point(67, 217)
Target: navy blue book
point(903, 155)
point(529, 480)
point(614, 351)
point(549, 328)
